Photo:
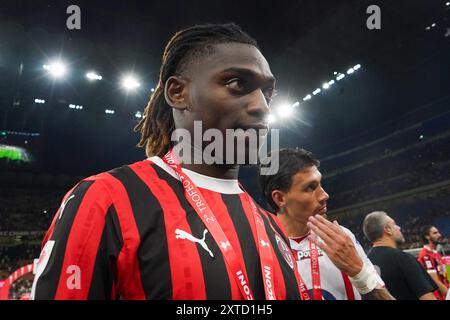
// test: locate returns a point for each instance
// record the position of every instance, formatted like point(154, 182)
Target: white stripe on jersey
point(332, 283)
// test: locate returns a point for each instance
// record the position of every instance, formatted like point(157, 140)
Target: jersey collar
point(226, 186)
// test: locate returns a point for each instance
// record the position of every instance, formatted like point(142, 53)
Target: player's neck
point(219, 171)
point(294, 228)
point(431, 246)
point(215, 171)
point(385, 242)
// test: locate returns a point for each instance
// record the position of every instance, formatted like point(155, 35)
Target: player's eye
point(236, 84)
point(269, 93)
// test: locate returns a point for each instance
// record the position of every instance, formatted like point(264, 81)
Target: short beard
point(440, 241)
point(400, 241)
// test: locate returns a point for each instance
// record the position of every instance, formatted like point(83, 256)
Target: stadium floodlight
point(57, 69)
point(447, 4)
point(433, 25)
point(296, 104)
point(152, 89)
point(271, 118)
point(331, 82)
point(357, 67)
point(285, 110)
point(335, 73)
point(350, 71)
point(40, 101)
point(93, 76)
point(325, 85)
point(75, 106)
point(340, 77)
point(307, 97)
point(109, 111)
point(316, 91)
point(138, 115)
point(130, 83)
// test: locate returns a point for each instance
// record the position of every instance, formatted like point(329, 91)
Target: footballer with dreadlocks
point(162, 228)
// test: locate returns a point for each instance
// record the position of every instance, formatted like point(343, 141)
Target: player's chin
point(322, 211)
point(246, 155)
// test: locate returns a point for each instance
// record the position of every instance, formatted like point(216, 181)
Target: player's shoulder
point(348, 232)
point(428, 252)
point(109, 182)
point(263, 210)
point(402, 256)
point(396, 257)
point(128, 169)
point(422, 252)
point(351, 235)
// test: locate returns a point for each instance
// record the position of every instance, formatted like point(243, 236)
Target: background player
point(296, 194)
point(431, 259)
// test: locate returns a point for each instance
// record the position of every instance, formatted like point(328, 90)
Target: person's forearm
point(428, 296)
point(378, 294)
point(441, 287)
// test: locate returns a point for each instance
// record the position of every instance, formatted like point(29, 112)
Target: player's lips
point(256, 126)
point(322, 210)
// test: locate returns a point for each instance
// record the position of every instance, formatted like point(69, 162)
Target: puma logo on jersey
point(64, 205)
point(181, 234)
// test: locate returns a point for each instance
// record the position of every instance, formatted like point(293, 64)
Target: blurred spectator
point(403, 275)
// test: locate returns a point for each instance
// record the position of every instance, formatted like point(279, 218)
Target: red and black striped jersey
point(432, 262)
point(130, 233)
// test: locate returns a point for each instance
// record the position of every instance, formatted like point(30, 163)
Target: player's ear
point(279, 198)
point(388, 230)
point(175, 92)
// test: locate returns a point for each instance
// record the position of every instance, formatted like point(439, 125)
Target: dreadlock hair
point(157, 123)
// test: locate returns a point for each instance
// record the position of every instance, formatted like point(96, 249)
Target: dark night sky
point(404, 75)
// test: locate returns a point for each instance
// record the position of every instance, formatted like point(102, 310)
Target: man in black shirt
point(404, 277)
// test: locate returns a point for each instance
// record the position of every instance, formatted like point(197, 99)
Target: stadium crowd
point(31, 200)
point(397, 171)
